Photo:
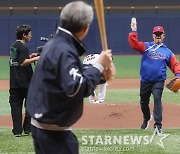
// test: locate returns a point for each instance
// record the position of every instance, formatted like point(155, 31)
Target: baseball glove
point(174, 85)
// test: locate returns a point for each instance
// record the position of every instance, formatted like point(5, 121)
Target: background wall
point(43, 16)
point(106, 2)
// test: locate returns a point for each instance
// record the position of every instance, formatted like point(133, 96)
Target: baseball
point(133, 20)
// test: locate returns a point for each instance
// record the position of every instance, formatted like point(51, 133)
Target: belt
point(48, 126)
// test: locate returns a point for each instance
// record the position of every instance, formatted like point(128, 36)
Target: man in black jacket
point(60, 82)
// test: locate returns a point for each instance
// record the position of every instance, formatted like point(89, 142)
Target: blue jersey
point(155, 59)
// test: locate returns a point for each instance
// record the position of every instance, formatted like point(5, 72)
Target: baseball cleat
point(17, 135)
point(145, 123)
point(158, 130)
point(27, 133)
point(97, 102)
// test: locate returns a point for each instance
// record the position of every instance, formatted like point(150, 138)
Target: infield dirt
point(113, 115)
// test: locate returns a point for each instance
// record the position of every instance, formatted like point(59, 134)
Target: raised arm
point(133, 39)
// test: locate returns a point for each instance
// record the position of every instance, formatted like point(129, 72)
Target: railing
point(106, 7)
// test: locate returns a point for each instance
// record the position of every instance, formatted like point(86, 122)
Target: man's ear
point(86, 28)
point(24, 35)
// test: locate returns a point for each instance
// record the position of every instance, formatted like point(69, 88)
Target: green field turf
point(112, 96)
point(4, 68)
point(126, 67)
point(119, 141)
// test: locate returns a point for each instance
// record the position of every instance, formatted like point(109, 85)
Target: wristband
point(99, 67)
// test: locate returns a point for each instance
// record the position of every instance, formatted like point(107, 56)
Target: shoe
point(27, 133)
point(93, 101)
point(145, 123)
point(17, 135)
point(101, 101)
point(97, 102)
point(158, 130)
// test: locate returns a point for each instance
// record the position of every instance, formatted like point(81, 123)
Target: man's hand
point(105, 58)
point(33, 55)
point(109, 72)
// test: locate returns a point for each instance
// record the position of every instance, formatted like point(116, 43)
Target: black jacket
point(60, 82)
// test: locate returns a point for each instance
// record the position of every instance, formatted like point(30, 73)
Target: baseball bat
point(99, 6)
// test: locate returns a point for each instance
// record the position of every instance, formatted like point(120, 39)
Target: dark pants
point(55, 142)
point(156, 89)
point(16, 99)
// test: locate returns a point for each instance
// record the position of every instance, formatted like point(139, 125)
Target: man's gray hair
point(75, 16)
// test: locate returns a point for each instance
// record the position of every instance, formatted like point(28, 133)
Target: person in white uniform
point(100, 97)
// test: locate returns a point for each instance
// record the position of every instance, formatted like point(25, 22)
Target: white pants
point(100, 97)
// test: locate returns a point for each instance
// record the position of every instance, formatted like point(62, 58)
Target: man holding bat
point(59, 83)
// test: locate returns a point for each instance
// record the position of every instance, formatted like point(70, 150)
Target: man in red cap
point(155, 57)
point(158, 29)
point(158, 35)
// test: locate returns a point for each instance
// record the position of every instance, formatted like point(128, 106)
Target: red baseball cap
point(158, 29)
